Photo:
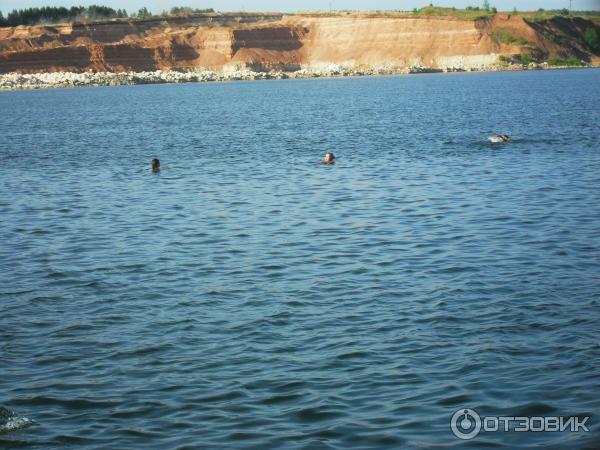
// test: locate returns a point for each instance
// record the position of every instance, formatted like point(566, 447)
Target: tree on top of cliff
point(48, 14)
point(100, 12)
point(144, 12)
point(189, 10)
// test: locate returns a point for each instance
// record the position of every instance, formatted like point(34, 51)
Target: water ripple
point(249, 297)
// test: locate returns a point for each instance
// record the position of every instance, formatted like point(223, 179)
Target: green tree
point(486, 5)
point(591, 38)
point(181, 10)
point(144, 12)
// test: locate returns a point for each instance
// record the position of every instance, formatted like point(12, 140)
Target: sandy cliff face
point(285, 42)
point(394, 42)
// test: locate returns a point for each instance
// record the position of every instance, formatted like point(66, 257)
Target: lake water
point(249, 297)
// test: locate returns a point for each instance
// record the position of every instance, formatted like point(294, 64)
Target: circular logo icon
point(465, 424)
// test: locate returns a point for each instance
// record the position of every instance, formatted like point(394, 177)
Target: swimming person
point(329, 158)
point(155, 165)
point(495, 138)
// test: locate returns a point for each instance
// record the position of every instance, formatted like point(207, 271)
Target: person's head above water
point(155, 165)
point(329, 158)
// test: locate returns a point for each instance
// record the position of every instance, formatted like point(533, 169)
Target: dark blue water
point(249, 297)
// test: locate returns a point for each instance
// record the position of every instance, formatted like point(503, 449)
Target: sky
point(157, 6)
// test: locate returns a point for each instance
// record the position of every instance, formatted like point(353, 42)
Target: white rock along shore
point(16, 81)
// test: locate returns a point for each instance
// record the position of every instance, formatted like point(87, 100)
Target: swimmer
point(155, 165)
point(329, 158)
point(496, 138)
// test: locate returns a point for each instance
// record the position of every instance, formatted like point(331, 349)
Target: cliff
point(290, 42)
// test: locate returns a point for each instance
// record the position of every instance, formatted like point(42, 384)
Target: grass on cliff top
point(469, 13)
point(344, 12)
point(541, 14)
point(472, 12)
point(423, 12)
point(476, 12)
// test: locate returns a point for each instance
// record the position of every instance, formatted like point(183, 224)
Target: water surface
point(249, 297)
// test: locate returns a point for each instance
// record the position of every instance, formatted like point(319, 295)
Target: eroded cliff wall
point(266, 42)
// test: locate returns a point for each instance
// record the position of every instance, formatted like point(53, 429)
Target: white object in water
point(497, 138)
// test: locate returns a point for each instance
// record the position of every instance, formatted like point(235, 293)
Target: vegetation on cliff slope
point(591, 39)
point(571, 61)
point(506, 36)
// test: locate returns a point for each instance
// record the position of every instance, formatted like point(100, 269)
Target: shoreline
point(15, 81)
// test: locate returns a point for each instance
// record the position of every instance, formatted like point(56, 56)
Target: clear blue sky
point(299, 5)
